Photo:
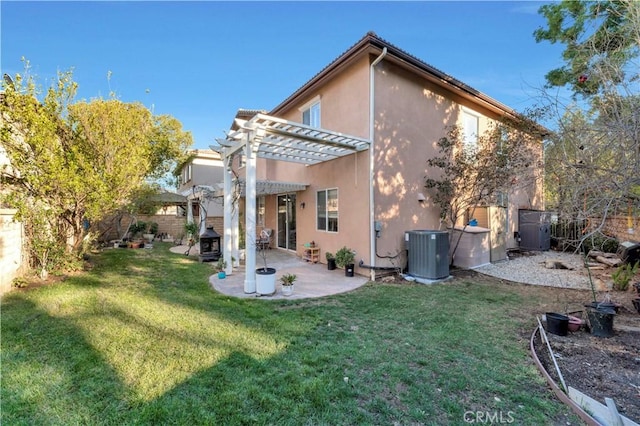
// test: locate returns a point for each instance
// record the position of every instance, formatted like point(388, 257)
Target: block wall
point(623, 228)
point(12, 257)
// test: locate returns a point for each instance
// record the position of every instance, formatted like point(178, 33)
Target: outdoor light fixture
point(302, 204)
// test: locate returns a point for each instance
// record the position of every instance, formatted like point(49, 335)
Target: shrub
point(20, 282)
point(345, 256)
point(602, 243)
point(623, 275)
point(153, 228)
point(192, 230)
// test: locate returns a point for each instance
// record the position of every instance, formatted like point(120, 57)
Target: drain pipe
point(372, 232)
point(378, 268)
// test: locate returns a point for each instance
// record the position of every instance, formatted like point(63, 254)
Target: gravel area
point(529, 268)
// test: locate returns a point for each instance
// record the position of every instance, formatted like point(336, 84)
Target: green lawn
point(142, 339)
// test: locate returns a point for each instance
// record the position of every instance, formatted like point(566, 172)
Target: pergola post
point(250, 214)
point(203, 215)
point(189, 210)
point(228, 200)
point(235, 213)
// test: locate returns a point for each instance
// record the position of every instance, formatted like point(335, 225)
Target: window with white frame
point(470, 123)
point(186, 173)
point(327, 210)
point(311, 113)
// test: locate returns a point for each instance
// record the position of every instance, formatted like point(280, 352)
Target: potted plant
point(151, 230)
point(265, 276)
point(287, 281)
point(344, 259)
point(136, 230)
point(331, 261)
point(221, 266)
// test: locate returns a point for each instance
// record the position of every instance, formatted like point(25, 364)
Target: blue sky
point(201, 61)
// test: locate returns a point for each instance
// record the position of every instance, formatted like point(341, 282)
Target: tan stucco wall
point(344, 108)
point(411, 116)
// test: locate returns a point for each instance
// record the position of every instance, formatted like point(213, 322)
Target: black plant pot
point(348, 270)
point(331, 264)
point(606, 307)
point(557, 323)
point(601, 322)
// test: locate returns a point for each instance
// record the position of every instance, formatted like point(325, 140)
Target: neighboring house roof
point(169, 198)
point(245, 114)
point(203, 153)
point(373, 44)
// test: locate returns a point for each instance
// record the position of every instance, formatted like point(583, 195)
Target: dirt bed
point(601, 367)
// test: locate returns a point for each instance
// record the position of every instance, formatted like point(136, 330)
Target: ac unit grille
point(428, 254)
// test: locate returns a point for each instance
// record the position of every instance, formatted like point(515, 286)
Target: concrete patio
point(314, 280)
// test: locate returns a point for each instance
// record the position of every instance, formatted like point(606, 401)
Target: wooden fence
point(565, 234)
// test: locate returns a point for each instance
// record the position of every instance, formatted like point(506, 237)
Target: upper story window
point(327, 210)
point(470, 124)
point(311, 112)
point(186, 173)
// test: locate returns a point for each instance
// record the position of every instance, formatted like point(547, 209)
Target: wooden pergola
point(272, 138)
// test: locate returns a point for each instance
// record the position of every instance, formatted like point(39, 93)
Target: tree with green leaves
point(593, 160)
point(505, 159)
point(74, 163)
point(600, 39)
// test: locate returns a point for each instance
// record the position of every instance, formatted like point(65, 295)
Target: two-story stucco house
point(200, 181)
point(342, 161)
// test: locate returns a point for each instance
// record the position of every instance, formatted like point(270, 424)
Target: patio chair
point(264, 240)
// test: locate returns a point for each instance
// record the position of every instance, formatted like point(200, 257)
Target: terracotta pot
point(575, 323)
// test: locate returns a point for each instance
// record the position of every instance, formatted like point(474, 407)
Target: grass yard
point(142, 339)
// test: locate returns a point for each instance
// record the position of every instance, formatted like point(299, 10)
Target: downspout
point(372, 232)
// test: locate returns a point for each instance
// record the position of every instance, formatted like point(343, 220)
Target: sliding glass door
point(287, 221)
